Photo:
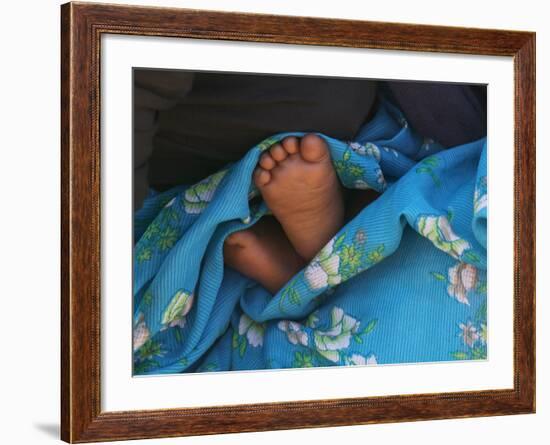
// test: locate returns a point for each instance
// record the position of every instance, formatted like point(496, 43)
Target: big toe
point(241, 238)
point(233, 240)
point(313, 148)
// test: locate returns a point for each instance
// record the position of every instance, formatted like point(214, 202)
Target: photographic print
point(297, 222)
point(275, 222)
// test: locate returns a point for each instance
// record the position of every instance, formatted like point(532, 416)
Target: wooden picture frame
point(82, 26)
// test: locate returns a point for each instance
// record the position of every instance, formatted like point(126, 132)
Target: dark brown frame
point(82, 25)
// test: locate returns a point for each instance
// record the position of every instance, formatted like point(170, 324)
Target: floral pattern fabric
point(403, 282)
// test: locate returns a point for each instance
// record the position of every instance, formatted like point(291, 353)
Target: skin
point(299, 185)
point(263, 253)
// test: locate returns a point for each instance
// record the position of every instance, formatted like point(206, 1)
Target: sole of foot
point(299, 184)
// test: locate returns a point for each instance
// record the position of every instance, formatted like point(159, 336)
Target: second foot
point(263, 253)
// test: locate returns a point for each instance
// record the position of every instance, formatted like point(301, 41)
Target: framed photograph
point(275, 222)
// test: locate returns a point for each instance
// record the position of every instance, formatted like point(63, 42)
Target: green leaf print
point(481, 287)
point(439, 276)
point(348, 171)
point(169, 215)
point(266, 143)
point(350, 258)
point(479, 353)
point(375, 256)
point(356, 170)
point(472, 257)
point(242, 346)
point(152, 231)
point(208, 367)
point(148, 297)
point(167, 238)
point(459, 355)
point(144, 254)
point(432, 161)
point(144, 366)
point(481, 314)
point(150, 349)
point(302, 360)
point(423, 170)
point(426, 166)
point(339, 241)
point(177, 334)
point(294, 296)
point(370, 326)
point(450, 215)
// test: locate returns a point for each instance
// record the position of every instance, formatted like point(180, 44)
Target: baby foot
point(263, 253)
point(299, 185)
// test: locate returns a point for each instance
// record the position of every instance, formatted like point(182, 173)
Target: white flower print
point(254, 331)
point(391, 150)
point(357, 359)
point(323, 269)
point(469, 333)
point(360, 185)
point(176, 311)
point(337, 337)
point(360, 237)
point(380, 178)
point(480, 202)
point(372, 150)
point(357, 148)
point(438, 230)
point(140, 332)
point(368, 149)
point(483, 333)
point(480, 194)
point(462, 279)
point(294, 332)
point(199, 195)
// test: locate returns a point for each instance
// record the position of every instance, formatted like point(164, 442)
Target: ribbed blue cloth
point(404, 281)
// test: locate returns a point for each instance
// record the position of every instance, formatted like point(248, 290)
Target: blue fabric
point(404, 281)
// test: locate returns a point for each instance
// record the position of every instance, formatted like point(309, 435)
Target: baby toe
point(278, 152)
point(291, 145)
point(267, 162)
point(261, 177)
